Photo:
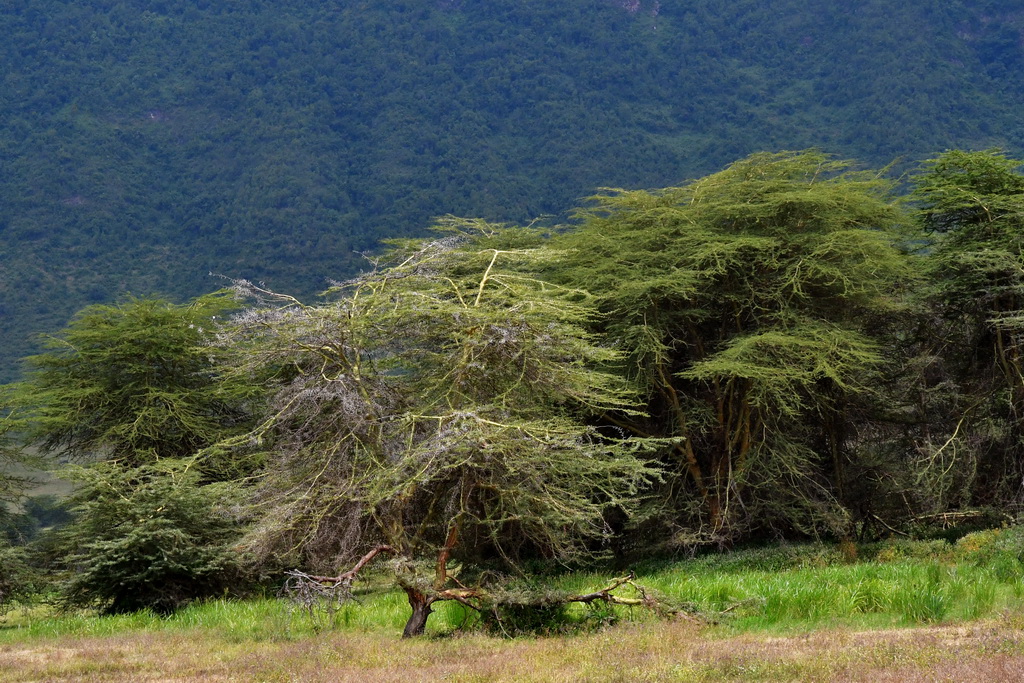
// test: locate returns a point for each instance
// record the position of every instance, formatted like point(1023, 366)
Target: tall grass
point(862, 595)
point(790, 588)
point(254, 619)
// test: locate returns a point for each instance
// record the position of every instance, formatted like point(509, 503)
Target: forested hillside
point(144, 145)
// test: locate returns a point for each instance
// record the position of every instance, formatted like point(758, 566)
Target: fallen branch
point(350, 575)
point(495, 606)
point(322, 596)
point(892, 530)
point(606, 595)
point(645, 600)
point(463, 596)
point(952, 518)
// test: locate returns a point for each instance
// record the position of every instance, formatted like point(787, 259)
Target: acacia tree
point(133, 383)
point(16, 578)
point(434, 411)
point(134, 389)
point(748, 303)
point(971, 207)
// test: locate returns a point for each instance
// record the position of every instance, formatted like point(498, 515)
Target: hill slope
point(146, 144)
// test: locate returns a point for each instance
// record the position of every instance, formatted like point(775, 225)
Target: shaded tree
point(971, 208)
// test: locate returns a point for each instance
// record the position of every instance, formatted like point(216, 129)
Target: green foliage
point(973, 202)
point(919, 587)
point(19, 581)
point(970, 197)
point(134, 383)
point(150, 537)
point(793, 587)
point(14, 459)
point(436, 407)
point(136, 386)
point(497, 393)
point(972, 206)
point(927, 598)
point(999, 550)
point(147, 145)
point(748, 304)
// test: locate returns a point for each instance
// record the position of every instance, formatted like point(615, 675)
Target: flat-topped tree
point(133, 383)
point(436, 410)
point(745, 302)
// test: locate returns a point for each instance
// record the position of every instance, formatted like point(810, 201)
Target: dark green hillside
point(145, 144)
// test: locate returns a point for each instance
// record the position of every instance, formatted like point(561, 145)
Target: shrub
point(899, 550)
point(1000, 550)
point(146, 538)
point(18, 581)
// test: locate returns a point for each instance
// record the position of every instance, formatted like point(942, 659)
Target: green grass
point(862, 595)
point(254, 619)
point(782, 589)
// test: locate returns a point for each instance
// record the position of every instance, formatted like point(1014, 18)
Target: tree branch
point(350, 575)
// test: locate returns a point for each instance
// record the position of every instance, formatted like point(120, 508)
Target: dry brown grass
point(989, 651)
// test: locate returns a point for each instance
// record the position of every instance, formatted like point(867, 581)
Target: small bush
point(900, 550)
point(18, 581)
point(146, 538)
point(999, 550)
point(978, 542)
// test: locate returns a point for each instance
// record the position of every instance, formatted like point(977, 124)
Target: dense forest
point(784, 349)
point(146, 145)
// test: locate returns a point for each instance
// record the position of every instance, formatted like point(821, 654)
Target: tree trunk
point(420, 604)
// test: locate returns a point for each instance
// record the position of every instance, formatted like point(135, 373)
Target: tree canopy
point(746, 303)
point(971, 207)
point(134, 382)
point(437, 409)
point(146, 145)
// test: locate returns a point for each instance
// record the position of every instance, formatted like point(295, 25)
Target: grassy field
point(991, 650)
point(900, 611)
